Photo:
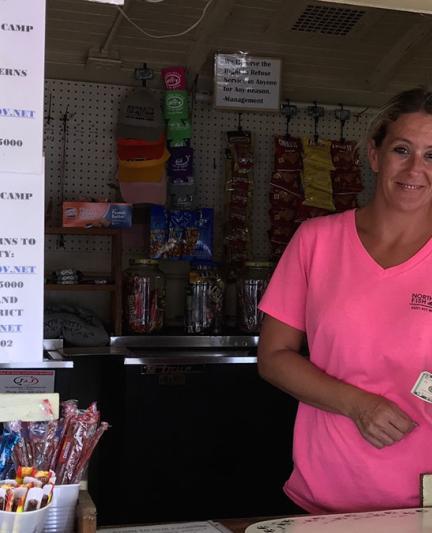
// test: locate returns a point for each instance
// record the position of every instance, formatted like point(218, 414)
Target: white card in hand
point(423, 387)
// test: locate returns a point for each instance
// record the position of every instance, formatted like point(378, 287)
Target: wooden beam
point(399, 55)
point(203, 45)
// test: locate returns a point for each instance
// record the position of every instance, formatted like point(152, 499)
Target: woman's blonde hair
point(410, 101)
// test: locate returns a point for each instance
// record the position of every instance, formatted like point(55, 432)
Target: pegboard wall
point(80, 120)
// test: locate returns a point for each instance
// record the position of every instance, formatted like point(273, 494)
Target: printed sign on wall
point(22, 31)
point(247, 83)
point(22, 49)
point(25, 381)
point(21, 268)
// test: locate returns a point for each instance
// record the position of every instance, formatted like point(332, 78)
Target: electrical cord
point(152, 36)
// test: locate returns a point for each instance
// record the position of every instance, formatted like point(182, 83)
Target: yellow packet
point(316, 177)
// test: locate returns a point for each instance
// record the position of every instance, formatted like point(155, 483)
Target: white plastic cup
point(61, 515)
point(24, 522)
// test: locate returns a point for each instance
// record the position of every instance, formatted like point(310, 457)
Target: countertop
point(183, 349)
point(238, 525)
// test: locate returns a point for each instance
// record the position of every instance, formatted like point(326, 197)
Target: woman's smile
point(409, 186)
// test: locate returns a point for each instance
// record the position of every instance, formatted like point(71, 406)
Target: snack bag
point(239, 166)
point(344, 154)
point(317, 183)
point(288, 153)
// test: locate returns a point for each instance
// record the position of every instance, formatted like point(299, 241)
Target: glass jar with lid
point(251, 285)
point(144, 296)
point(204, 299)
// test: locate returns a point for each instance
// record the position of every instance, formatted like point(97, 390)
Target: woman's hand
point(380, 421)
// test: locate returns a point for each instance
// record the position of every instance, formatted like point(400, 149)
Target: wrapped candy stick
point(80, 429)
point(87, 453)
point(69, 410)
point(8, 442)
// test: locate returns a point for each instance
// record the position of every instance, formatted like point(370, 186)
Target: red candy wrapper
point(55, 448)
point(80, 432)
point(87, 453)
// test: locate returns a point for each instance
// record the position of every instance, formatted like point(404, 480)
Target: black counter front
point(194, 430)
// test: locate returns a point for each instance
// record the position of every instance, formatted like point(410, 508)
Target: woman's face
point(403, 163)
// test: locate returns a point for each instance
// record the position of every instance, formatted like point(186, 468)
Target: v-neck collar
point(419, 256)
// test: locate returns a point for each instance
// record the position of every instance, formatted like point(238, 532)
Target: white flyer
point(27, 381)
point(416, 520)
point(22, 53)
point(181, 527)
point(21, 267)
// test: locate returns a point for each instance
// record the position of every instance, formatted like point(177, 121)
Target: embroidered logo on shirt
point(421, 302)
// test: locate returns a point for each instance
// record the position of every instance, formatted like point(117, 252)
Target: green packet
point(176, 105)
point(178, 130)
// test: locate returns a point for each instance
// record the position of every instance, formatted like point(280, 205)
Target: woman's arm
point(379, 420)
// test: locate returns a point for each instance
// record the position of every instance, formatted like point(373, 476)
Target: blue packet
point(8, 441)
point(185, 234)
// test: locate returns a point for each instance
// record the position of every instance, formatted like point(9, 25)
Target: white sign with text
point(27, 381)
point(21, 267)
point(22, 50)
point(247, 83)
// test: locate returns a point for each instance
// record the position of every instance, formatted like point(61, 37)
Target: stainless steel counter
point(53, 358)
point(186, 341)
point(45, 364)
point(165, 349)
point(188, 359)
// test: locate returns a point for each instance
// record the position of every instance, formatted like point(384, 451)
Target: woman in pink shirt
point(358, 285)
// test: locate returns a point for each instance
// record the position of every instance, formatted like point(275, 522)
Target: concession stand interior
point(174, 178)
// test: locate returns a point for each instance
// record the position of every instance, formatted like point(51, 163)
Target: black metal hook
point(316, 112)
point(342, 115)
point(239, 123)
point(49, 117)
point(143, 74)
point(144, 81)
point(289, 111)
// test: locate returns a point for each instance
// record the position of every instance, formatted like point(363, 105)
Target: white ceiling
point(331, 53)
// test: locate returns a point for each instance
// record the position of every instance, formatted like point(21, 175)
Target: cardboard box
point(97, 215)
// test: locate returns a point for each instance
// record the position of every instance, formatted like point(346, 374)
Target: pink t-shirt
point(368, 326)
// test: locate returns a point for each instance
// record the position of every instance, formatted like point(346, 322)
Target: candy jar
point(144, 297)
point(251, 285)
point(204, 299)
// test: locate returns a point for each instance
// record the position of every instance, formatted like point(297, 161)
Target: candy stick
point(87, 453)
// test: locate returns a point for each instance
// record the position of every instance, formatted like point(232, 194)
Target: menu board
point(22, 31)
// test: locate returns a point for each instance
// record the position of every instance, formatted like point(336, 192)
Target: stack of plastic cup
point(61, 514)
